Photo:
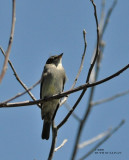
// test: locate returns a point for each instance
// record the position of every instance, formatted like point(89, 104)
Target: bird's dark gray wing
point(44, 74)
point(64, 80)
point(41, 86)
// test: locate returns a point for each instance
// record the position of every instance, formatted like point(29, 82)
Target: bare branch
point(21, 94)
point(58, 96)
point(10, 41)
point(110, 98)
point(107, 18)
point(62, 144)
point(101, 142)
point(80, 68)
point(82, 61)
point(103, 25)
point(74, 115)
point(94, 139)
point(54, 137)
point(19, 80)
point(97, 46)
point(102, 15)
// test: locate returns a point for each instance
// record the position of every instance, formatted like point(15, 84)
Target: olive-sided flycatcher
point(52, 82)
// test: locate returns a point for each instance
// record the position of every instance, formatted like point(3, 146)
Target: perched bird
point(52, 82)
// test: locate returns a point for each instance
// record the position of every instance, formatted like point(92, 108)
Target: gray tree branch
point(10, 41)
point(103, 140)
point(110, 98)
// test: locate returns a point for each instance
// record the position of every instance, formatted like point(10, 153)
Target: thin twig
point(19, 80)
point(110, 98)
point(63, 94)
point(101, 43)
point(10, 41)
point(94, 139)
point(102, 15)
point(82, 60)
point(62, 144)
point(107, 18)
point(80, 68)
point(97, 46)
point(103, 25)
point(101, 142)
point(73, 114)
point(54, 138)
point(22, 93)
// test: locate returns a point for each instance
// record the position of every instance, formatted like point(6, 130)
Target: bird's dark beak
point(60, 56)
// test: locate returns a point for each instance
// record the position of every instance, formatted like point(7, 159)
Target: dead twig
point(62, 144)
point(73, 114)
point(82, 60)
point(19, 80)
point(54, 138)
point(110, 98)
point(80, 68)
point(102, 15)
point(107, 18)
point(10, 41)
point(22, 93)
point(103, 140)
point(94, 139)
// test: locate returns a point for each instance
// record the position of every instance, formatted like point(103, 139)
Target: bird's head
point(57, 59)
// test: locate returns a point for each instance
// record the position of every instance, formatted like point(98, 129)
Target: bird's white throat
point(59, 66)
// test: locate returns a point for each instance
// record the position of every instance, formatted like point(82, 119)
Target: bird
point(52, 82)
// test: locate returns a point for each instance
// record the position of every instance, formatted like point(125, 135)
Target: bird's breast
point(52, 84)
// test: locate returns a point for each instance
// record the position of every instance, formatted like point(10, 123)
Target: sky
point(45, 28)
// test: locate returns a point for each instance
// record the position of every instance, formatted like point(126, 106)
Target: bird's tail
point(46, 130)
